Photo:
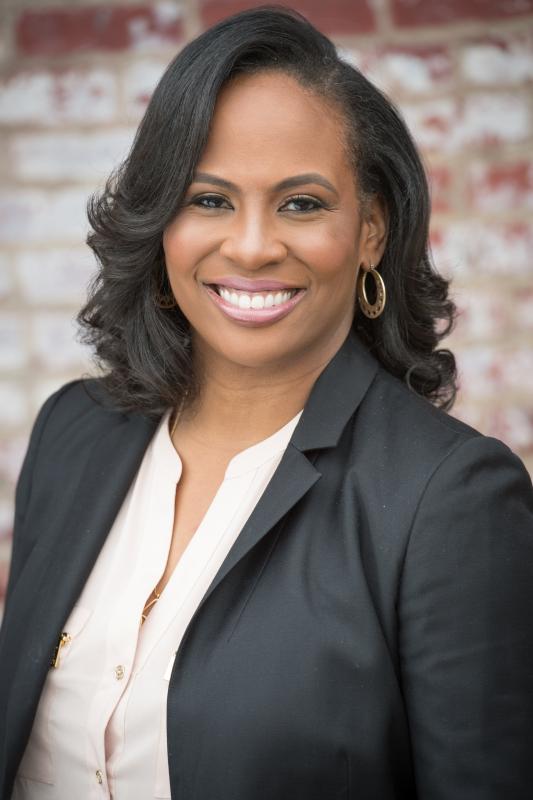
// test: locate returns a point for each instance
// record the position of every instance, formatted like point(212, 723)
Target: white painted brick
point(479, 374)
point(354, 57)
point(6, 280)
point(68, 156)
point(30, 216)
point(6, 528)
point(517, 371)
point(47, 98)
point(470, 413)
point(483, 119)
point(409, 72)
point(55, 276)
point(140, 79)
point(45, 385)
point(472, 247)
point(14, 405)
point(13, 349)
point(493, 117)
point(432, 122)
point(514, 426)
point(53, 342)
point(494, 62)
point(482, 314)
point(12, 452)
point(499, 186)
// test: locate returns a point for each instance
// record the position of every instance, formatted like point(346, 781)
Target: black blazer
point(368, 637)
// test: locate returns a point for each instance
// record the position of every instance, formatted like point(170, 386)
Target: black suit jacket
point(369, 635)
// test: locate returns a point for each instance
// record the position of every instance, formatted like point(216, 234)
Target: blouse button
point(119, 672)
point(99, 776)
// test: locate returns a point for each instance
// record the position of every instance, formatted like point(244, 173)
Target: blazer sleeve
point(465, 610)
point(23, 487)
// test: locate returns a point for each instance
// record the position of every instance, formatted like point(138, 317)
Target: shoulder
point(80, 408)
point(68, 420)
point(415, 431)
point(77, 397)
point(407, 453)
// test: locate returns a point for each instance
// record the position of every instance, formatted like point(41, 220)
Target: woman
point(254, 560)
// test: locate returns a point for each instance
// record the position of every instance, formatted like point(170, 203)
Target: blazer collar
point(335, 396)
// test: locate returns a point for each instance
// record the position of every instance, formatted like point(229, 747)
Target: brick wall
point(75, 77)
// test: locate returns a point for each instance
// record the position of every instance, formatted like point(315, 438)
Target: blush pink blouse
point(100, 726)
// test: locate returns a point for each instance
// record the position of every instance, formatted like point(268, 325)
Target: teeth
point(254, 300)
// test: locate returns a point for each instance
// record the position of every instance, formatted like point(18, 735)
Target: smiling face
point(263, 255)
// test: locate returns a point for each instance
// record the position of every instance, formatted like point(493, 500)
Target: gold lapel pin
point(64, 639)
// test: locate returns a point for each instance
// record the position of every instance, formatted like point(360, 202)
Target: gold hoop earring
point(371, 310)
point(164, 300)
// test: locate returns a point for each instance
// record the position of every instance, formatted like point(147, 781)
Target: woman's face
point(263, 256)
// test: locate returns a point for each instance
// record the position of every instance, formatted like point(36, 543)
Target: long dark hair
point(145, 349)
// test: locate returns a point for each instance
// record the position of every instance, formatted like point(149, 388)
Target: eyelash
point(316, 204)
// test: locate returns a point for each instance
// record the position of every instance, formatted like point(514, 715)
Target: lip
point(251, 285)
point(254, 317)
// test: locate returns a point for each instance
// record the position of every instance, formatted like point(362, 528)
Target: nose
point(252, 241)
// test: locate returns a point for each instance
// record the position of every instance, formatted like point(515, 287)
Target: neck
point(239, 406)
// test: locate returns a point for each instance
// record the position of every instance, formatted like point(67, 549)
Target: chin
point(251, 349)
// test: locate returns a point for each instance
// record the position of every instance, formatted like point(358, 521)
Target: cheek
point(331, 250)
point(182, 241)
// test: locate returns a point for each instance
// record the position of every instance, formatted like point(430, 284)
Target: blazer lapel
point(334, 398)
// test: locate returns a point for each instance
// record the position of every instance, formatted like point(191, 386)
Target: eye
point(208, 201)
point(303, 204)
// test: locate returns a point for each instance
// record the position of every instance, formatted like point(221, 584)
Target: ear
point(373, 232)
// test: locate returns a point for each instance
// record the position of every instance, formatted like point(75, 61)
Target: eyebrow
point(287, 183)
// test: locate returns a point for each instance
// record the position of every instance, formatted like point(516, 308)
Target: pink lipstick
point(255, 317)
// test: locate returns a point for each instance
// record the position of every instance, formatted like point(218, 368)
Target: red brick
point(335, 16)
point(443, 12)
point(521, 309)
point(61, 31)
point(439, 184)
point(496, 187)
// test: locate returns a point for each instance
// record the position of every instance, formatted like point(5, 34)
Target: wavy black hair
point(145, 350)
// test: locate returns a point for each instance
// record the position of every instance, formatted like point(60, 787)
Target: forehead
point(269, 123)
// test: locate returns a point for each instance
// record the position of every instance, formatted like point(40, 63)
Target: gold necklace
point(155, 594)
